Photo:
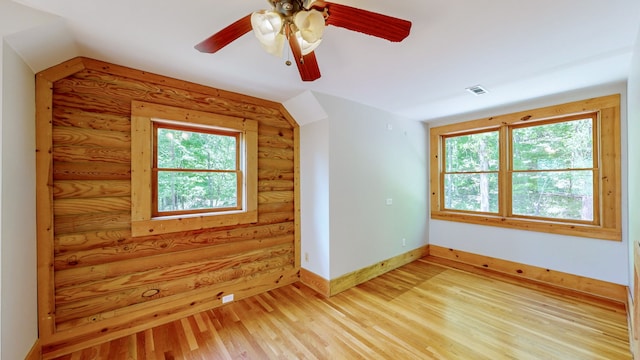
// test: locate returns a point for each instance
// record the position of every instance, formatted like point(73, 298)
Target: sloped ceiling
point(518, 50)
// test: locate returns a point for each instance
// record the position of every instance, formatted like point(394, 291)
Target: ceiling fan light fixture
point(310, 24)
point(305, 46)
point(267, 27)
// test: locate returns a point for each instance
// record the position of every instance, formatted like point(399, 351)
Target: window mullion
point(442, 170)
point(504, 177)
point(597, 166)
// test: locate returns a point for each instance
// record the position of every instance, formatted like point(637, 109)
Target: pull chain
point(288, 62)
point(287, 34)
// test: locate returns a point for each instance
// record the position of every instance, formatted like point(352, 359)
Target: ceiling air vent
point(477, 90)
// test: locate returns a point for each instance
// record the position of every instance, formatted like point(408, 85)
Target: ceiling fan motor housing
point(287, 8)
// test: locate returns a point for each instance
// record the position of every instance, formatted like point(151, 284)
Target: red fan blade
point(307, 64)
point(225, 36)
point(367, 22)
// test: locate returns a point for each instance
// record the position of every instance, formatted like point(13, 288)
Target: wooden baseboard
point(573, 283)
point(631, 323)
point(321, 285)
point(36, 352)
point(357, 277)
point(329, 288)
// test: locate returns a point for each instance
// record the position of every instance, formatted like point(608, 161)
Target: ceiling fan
point(301, 23)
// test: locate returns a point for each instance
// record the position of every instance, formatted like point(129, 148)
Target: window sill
point(171, 224)
point(570, 229)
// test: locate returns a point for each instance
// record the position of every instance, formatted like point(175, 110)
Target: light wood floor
point(420, 311)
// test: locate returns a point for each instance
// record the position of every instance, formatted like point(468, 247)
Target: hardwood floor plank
point(419, 311)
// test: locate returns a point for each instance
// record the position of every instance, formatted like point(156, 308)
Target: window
point(471, 172)
point(195, 170)
point(555, 169)
point(191, 170)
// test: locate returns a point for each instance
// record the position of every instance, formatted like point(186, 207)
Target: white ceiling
point(518, 50)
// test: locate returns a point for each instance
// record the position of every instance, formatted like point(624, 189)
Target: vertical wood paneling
point(44, 207)
point(93, 274)
point(610, 159)
point(141, 163)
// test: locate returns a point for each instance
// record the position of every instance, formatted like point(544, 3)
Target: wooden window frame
point(607, 223)
point(143, 221)
point(443, 173)
point(595, 168)
point(159, 124)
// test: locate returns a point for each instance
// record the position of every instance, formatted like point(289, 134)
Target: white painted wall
point(41, 39)
point(634, 155)
point(1, 117)
point(598, 259)
point(19, 321)
point(314, 193)
point(305, 108)
point(18, 280)
point(367, 164)
point(351, 163)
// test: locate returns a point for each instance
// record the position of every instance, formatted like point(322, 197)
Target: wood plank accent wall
point(96, 281)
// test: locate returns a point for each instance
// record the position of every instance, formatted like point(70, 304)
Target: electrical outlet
point(227, 298)
point(389, 201)
point(404, 242)
point(306, 257)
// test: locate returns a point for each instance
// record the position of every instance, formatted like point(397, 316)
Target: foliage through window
point(552, 172)
point(471, 177)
